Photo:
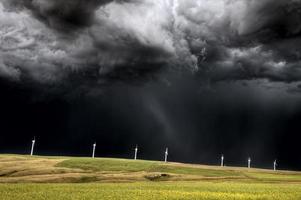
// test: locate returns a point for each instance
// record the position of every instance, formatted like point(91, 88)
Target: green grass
point(108, 164)
point(69, 178)
point(287, 177)
point(122, 165)
point(151, 191)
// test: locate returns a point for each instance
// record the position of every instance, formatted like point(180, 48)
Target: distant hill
point(40, 169)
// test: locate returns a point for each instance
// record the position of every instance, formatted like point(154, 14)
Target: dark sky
point(201, 77)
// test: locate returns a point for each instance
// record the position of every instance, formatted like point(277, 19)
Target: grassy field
point(63, 178)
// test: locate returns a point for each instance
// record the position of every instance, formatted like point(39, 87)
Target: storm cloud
point(51, 40)
point(64, 15)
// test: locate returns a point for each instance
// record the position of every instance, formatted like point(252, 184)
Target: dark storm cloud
point(220, 40)
point(32, 48)
point(246, 39)
point(63, 15)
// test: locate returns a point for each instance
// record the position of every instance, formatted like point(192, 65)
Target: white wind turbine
point(136, 152)
point(166, 154)
point(275, 165)
point(32, 146)
point(94, 148)
point(222, 160)
point(249, 162)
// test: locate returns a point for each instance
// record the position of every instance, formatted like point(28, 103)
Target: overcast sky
point(204, 77)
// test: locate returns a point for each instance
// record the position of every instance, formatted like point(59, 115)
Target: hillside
point(70, 178)
point(26, 169)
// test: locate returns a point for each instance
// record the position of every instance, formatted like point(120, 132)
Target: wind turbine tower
point(32, 146)
point(94, 148)
point(166, 154)
point(222, 161)
point(249, 162)
point(136, 152)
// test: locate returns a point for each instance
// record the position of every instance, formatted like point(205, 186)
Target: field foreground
point(63, 178)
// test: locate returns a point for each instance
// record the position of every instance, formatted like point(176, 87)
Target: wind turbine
point(166, 154)
point(249, 162)
point(275, 165)
point(136, 152)
point(222, 160)
point(94, 147)
point(32, 146)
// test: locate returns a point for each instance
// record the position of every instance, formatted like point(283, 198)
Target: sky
point(201, 77)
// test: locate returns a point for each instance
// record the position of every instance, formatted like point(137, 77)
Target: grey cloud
point(46, 55)
point(9, 72)
point(240, 39)
point(220, 40)
point(64, 15)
